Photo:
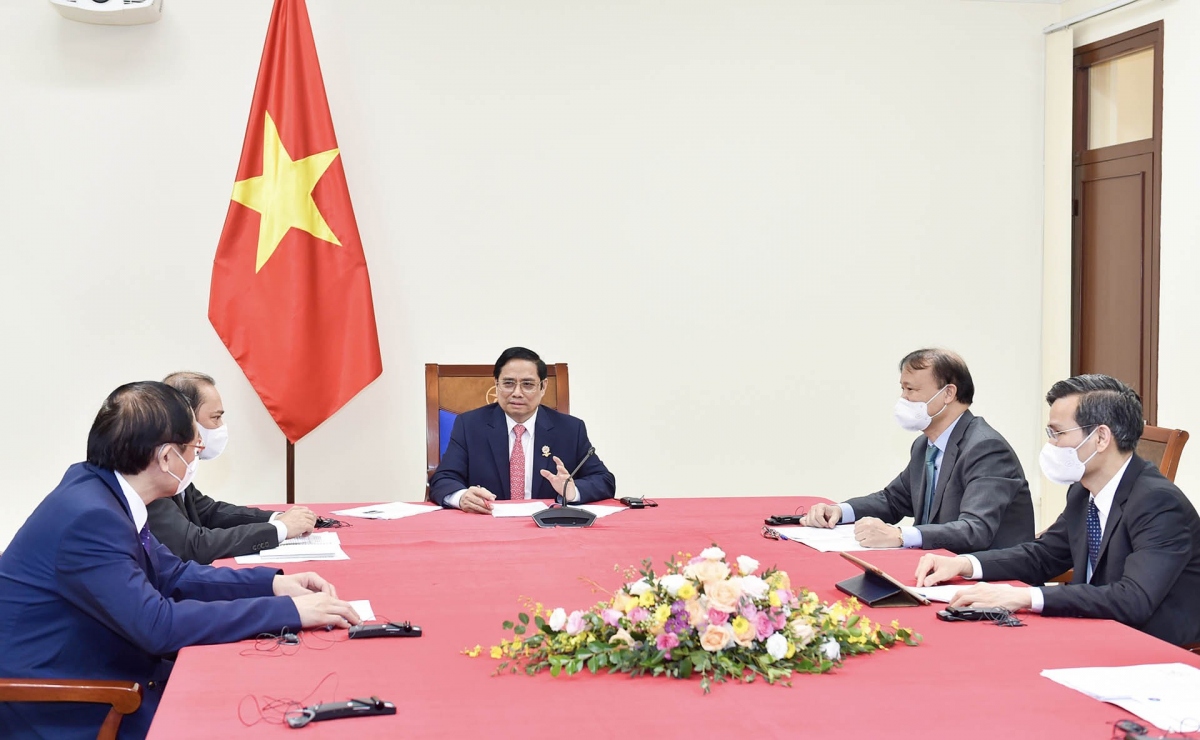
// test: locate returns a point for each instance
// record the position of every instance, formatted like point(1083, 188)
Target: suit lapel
point(110, 480)
point(949, 457)
point(541, 438)
point(1076, 514)
point(1135, 468)
point(498, 441)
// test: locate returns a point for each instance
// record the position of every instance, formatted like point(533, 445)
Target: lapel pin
point(545, 450)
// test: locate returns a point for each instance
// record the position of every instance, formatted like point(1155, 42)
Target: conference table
point(459, 576)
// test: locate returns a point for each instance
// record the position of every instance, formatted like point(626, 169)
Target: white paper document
point(1164, 694)
point(316, 538)
point(501, 510)
point(943, 593)
point(296, 552)
point(600, 510)
point(394, 510)
point(363, 609)
point(838, 539)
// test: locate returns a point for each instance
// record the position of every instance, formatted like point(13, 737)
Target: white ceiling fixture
point(110, 12)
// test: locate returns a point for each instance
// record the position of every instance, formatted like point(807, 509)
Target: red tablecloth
point(459, 576)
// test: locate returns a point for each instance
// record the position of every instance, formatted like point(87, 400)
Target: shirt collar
point(1104, 498)
point(944, 438)
point(528, 423)
point(136, 506)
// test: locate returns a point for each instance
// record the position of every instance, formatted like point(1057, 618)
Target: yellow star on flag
point(283, 194)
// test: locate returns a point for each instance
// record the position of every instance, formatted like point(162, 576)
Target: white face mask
point(913, 416)
point(1062, 464)
point(187, 477)
point(214, 441)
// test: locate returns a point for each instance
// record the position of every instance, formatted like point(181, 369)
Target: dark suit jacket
point(478, 456)
point(83, 599)
point(195, 527)
point(1148, 573)
point(981, 501)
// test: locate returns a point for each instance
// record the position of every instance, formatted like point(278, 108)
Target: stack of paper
point(316, 546)
point(838, 539)
point(394, 510)
point(1164, 694)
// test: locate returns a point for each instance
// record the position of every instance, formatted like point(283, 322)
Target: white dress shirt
point(526, 444)
point(1103, 501)
point(137, 507)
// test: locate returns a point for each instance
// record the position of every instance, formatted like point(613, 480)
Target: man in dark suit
point(964, 486)
point(483, 461)
point(89, 593)
point(196, 527)
point(1131, 535)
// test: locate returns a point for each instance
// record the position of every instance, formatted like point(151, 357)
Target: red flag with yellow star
point(290, 293)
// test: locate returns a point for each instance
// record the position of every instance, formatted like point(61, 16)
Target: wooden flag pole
point(291, 473)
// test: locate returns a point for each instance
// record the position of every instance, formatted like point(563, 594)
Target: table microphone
point(565, 515)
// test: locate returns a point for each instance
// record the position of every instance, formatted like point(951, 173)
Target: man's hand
point(560, 479)
point(299, 521)
point(872, 532)
point(993, 595)
point(477, 500)
point(824, 516)
point(935, 569)
point(302, 584)
point(318, 610)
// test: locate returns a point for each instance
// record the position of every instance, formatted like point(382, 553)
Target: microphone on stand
point(564, 515)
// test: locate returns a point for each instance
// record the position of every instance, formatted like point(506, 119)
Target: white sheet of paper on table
point(943, 593)
point(316, 538)
point(363, 608)
point(503, 509)
point(837, 539)
point(393, 510)
point(294, 553)
point(1165, 694)
point(600, 510)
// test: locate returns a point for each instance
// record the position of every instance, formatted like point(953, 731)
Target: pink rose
point(749, 611)
point(764, 626)
point(576, 623)
point(716, 638)
point(639, 614)
point(666, 641)
point(611, 617)
point(717, 617)
point(724, 595)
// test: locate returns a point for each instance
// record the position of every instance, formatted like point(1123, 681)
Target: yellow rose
point(686, 591)
point(723, 595)
point(715, 638)
point(647, 599)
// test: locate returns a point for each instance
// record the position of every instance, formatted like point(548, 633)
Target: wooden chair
point(1163, 447)
point(451, 390)
point(123, 697)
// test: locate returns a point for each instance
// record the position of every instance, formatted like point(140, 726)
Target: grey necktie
point(930, 474)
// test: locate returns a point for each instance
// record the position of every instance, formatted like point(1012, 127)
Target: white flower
point(803, 632)
point(777, 646)
point(672, 582)
point(713, 553)
point(747, 565)
point(558, 619)
point(831, 650)
point(637, 588)
point(755, 587)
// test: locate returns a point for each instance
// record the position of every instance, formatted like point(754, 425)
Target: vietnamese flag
point(290, 293)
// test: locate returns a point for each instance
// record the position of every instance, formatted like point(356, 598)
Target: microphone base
point(564, 516)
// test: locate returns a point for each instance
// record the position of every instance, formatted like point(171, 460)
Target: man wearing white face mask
point(963, 486)
point(1131, 535)
point(196, 527)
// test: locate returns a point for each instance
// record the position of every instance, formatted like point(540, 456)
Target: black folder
point(873, 587)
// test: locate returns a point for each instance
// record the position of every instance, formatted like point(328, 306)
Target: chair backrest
point(1163, 447)
point(124, 697)
point(451, 390)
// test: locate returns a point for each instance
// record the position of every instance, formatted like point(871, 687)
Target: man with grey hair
point(964, 486)
point(1131, 535)
point(194, 526)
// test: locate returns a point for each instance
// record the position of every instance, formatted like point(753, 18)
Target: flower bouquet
point(704, 616)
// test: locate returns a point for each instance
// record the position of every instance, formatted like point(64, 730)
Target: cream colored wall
point(1179, 302)
point(731, 219)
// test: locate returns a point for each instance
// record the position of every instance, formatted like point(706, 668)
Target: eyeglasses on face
point(509, 385)
point(1054, 435)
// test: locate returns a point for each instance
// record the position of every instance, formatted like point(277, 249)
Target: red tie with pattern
point(516, 466)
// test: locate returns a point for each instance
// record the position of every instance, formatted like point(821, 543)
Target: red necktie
point(516, 466)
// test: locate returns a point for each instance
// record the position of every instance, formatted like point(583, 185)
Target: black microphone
point(566, 515)
point(571, 477)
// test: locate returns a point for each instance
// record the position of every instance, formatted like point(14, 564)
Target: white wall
point(731, 219)
point(1179, 301)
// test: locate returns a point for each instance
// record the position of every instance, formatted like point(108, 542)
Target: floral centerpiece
point(721, 620)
